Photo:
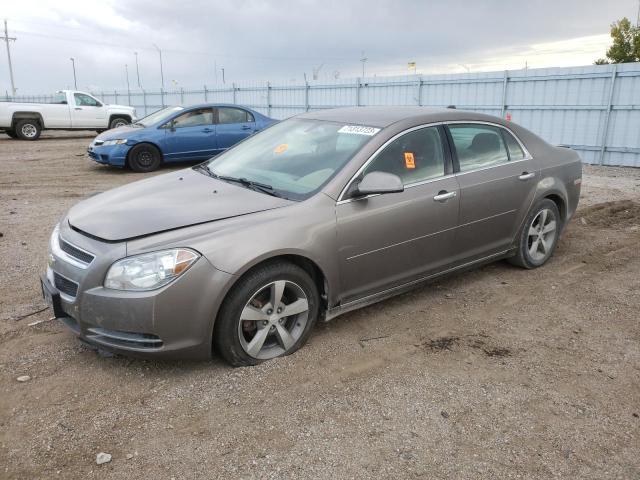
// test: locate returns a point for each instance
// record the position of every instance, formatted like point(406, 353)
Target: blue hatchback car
point(176, 134)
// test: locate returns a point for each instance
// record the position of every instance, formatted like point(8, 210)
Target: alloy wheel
point(29, 130)
point(541, 235)
point(273, 319)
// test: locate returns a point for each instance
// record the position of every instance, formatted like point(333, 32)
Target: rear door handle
point(443, 196)
point(78, 108)
point(526, 176)
point(246, 127)
point(207, 130)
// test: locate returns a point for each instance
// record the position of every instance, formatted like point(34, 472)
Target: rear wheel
point(539, 235)
point(269, 313)
point(119, 122)
point(28, 129)
point(144, 158)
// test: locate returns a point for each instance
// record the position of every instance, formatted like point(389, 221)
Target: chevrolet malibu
point(176, 134)
point(313, 217)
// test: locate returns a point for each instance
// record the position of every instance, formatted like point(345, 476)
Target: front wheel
point(118, 122)
point(269, 313)
point(539, 235)
point(144, 158)
point(28, 129)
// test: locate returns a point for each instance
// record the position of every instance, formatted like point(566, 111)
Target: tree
point(626, 43)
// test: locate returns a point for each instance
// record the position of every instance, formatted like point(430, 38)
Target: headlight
point(120, 141)
point(149, 270)
point(53, 239)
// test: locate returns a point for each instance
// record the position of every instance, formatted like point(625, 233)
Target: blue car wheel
point(144, 158)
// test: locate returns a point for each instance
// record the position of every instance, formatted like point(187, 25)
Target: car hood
point(127, 131)
point(166, 202)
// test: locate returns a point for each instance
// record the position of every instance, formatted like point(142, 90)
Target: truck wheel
point(119, 122)
point(11, 133)
point(28, 129)
point(144, 158)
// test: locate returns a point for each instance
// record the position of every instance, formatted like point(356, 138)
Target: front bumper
point(115, 155)
point(174, 321)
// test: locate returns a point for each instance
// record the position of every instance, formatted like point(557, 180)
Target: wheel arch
point(17, 116)
point(560, 202)
point(312, 267)
point(113, 116)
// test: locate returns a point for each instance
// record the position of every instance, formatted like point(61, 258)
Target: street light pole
point(363, 60)
point(138, 71)
point(161, 70)
point(75, 81)
point(126, 71)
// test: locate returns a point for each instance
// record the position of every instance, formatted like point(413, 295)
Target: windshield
point(158, 116)
point(294, 157)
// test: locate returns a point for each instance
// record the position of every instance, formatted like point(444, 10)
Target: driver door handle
point(526, 176)
point(246, 127)
point(443, 196)
point(207, 130)
point(78, 108)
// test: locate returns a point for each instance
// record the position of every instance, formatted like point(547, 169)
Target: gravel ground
point(494, 373)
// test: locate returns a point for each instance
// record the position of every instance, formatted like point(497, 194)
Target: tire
point(535, 248)
point(118, 122)
point(28, 129)
point(144, 158)
point(248, 331)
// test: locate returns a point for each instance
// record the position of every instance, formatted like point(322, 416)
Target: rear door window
point(478, 146)
point(233, 115)
point(515, 150)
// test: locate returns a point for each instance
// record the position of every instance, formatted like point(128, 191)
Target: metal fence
point(594, 109)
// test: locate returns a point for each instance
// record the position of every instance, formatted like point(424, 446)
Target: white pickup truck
point(68, 110)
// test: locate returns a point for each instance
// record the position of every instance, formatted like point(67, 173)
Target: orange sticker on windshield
point(409, 161)
point(281, 148)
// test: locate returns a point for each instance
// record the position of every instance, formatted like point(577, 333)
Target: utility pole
point(363, 60)
point(161, 70)
point(8, 39)
point(137, 71)
point(126, 71)
point(75, 82)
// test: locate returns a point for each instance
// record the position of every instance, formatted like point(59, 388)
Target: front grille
point(75, 252)
point(65, 285)
point(119, 338)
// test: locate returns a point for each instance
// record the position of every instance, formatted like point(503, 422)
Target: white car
point(69, 110)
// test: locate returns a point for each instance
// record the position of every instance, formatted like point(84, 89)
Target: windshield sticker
point(409, 160)
point(359, 130)
point(283, 147)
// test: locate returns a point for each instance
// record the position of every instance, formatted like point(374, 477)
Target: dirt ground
point(494, 373)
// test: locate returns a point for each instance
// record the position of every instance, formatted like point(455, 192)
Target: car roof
point(384, 116)
point(211, 105)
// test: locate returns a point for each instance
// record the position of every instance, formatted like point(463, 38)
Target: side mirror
point(378, 183)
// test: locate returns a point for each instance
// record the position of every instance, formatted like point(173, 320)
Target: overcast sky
point(281, 40)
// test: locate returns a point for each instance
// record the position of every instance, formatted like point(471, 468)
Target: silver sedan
point(313, 217)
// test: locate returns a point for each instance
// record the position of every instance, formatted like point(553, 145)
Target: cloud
point(281, 40)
